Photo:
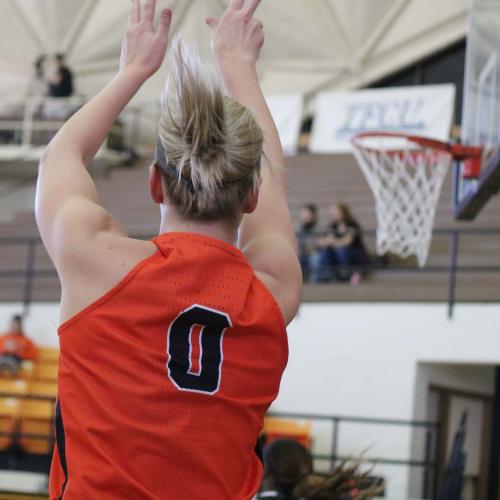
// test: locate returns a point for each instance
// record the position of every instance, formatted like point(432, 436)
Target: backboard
point(481, 109)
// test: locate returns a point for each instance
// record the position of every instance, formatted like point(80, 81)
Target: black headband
point(167, 167)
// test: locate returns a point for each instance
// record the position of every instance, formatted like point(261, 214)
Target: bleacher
point(322, 179)
point(27, 409)
point(27, 406)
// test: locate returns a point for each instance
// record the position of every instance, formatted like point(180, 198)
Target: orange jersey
point(18, 345)
point(164, 381)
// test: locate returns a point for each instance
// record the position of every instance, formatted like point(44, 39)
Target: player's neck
point(172, 222)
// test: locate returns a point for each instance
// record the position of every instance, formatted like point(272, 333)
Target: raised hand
point(143, 48)
point(237, 35)
point(266, 236)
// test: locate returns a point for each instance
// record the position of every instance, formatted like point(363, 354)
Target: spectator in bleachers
point(306, 236)
point(60, 87)
point(340, 253)
point(15, 347)
point(61, 80)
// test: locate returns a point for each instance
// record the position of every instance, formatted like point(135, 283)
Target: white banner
point(287, 114)
point(421, 110)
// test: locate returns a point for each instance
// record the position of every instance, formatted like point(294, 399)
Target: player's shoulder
point(275, 263)
point(287, 297)
point(90, 272)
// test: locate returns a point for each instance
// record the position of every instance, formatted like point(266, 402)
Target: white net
point(406, 181)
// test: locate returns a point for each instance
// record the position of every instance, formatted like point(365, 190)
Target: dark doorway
point(448, 405)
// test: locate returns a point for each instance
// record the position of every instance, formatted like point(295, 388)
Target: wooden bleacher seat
point(27, 370)
point(37, 417)
point(9, 411)
point(47, 355)
point(46, 389)
point(13, 387)
point(46, 372)
point(323, 179)
point(280, 428)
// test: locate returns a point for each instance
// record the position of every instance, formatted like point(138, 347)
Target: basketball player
point(172, 349)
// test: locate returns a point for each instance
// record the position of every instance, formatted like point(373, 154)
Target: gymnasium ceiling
point(311, 45)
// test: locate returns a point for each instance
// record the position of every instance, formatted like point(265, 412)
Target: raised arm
point(267, 235)
point(68, 213)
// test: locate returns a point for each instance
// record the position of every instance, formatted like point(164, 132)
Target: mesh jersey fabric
point(154, 404)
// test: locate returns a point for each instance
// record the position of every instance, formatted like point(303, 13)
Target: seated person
point(60, 87)
point(61, 80)
point(305, 236)
point(286, 463)
point(341, 252)
point(289, 475)
point(15, 347)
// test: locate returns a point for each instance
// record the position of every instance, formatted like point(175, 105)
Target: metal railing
point(452, 268)
point(428, 463)
point(32, 122)
point(21, 118)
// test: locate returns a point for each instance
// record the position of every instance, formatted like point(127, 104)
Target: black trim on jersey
point(61, 445)
point(259, 451)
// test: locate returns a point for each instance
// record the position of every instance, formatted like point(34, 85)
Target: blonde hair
point(212, 144)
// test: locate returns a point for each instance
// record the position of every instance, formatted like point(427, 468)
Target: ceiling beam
point(114, 29)
point(101, 66)
point(338, 28)
point(328, 84)
point(52, 17)
point(222, 4)
point(308, 66)
point(78, 26)
point(382, 29)
point(410, 51)
point(38, 43)
point(180, 12)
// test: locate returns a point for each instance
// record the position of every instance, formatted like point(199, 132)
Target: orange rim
point(457, 151)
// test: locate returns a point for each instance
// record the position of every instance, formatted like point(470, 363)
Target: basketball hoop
point(406, 173)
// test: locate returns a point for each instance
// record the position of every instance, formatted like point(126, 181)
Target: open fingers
point(164, 26)
point(258, 23)
point(212, 22)
point(250, 7)
point(134, 13)
point(235, 5)
point(149, 13)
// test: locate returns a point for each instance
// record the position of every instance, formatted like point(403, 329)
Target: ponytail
point(211, 144)
point(342, 484)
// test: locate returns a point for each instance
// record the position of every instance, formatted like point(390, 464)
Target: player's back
point(164, 381)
